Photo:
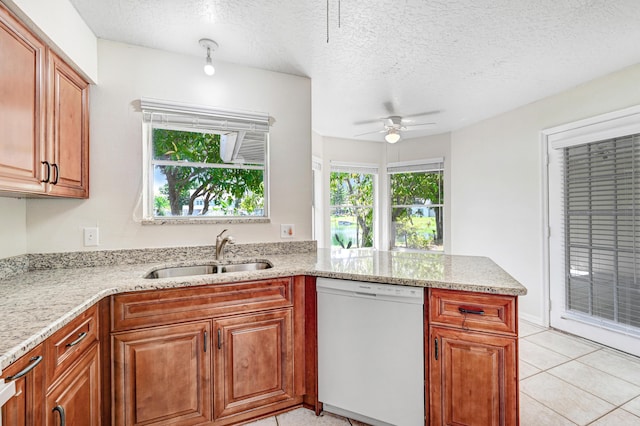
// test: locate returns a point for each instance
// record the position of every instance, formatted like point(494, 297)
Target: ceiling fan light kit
point(392, 136)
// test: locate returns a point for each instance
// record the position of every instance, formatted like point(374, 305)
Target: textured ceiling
point(464, 59)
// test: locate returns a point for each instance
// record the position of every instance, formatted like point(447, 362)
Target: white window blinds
point(202, 117)
point(430, 165)
point(362, 168)
point(601, 203)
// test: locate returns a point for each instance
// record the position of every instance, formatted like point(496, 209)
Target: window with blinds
point(602, 229)
point(417, 204)
point(203, 162)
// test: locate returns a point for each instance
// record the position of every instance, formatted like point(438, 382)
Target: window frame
point(360, 168)
point(203, 119)
point(436, 164)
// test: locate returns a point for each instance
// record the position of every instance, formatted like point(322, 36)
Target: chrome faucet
point(221, 242)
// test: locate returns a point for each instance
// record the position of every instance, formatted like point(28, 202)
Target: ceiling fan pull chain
point(327, 21)
point(339, 15)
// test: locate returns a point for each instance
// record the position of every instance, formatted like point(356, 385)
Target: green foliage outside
point(229, 190)
point(352, 214)
point(416, 192)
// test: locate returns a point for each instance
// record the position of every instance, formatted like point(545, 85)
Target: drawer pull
point(471, 310)
point(78, 340)
point(60, 410)
point(34, 361)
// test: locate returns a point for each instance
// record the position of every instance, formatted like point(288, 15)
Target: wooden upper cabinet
point(44, 118)
point(68, 130)
point(22, 58)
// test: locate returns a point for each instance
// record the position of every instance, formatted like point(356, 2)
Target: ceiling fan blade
point(422, 114)
point(369, 133)
point(409, 126)
point(377, 120)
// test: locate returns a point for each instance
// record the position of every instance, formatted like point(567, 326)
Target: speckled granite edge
point(82, 259)
point(15, 265)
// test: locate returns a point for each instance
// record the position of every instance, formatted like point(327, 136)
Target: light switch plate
point(287, 231)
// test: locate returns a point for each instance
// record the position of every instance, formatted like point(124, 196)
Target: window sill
point(204, 221)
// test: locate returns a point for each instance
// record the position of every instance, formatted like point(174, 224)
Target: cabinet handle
point(471, 310)
point(57, 169)
point(219, 339)
point(34, 361)
point(46, 163)
point(60, 410)
point(205, 341)
point(435, 343)
point(78, 340)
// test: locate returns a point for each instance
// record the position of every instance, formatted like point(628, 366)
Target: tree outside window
point(351, 199)
point(417, 210)
point(191, 178)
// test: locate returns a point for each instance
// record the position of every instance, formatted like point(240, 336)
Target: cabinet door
point(161, 375)
point(68, 130)
point(75, 398)
point(473, 378)
point(21, 107)
point(25, 408)
point(253, 364)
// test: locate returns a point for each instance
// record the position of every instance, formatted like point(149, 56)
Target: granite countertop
point(42, 299)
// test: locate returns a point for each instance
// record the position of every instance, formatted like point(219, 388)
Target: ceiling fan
point(394, 124)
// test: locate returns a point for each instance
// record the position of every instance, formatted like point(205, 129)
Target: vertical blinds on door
point(602, 229)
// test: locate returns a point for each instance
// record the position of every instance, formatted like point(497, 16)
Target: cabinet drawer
point(68, 343)
point(158, 307)
point(473, 311)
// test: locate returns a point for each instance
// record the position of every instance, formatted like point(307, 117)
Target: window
point(352, 194)
point(417, 203)
point(602, 226)
point(592, 245)
point(204, 163)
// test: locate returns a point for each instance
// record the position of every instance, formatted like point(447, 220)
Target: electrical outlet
point(91, 237)
point(287, 231)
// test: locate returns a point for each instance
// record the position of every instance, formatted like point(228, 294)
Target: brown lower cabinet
point(26, 407)
point(162, 375)
point(219, 354)
point(75, 398)
point(229, 353)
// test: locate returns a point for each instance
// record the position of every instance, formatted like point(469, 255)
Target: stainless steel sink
point(249, 266)
point(183, 271)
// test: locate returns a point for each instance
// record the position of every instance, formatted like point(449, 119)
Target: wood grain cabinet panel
point(161, 375)
point(150, 308)
point(253, 362)
point(75, 397)
point(473, 378)
point(68, 130)
point(69, 343)
point(22, 59)
point(26, 408)
point(44, 118)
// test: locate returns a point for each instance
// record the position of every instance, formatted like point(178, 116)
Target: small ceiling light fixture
point(392, 136)
point(210, 45)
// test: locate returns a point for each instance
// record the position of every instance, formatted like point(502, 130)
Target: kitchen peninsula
point(468, 301)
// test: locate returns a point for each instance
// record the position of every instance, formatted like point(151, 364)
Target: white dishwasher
point(371, 351)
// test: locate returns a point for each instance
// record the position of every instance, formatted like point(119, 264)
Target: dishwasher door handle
point(360, 293)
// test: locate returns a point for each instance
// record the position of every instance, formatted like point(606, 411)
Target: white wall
point(59, 24)
point(128, 73)
point(13, 227)
point(496, 179)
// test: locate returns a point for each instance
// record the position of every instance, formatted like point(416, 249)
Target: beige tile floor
point(564, 380)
